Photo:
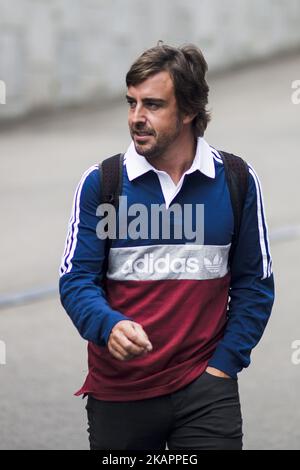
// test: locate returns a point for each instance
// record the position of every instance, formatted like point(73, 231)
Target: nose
point(138, 114)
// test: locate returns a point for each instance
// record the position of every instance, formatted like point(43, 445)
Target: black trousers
point(204, 415)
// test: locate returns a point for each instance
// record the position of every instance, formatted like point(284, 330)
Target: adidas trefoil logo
point(213, 266)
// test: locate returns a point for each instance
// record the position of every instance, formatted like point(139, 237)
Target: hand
point(128, 340)
point(217, 372)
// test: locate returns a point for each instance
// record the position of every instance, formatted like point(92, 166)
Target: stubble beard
point(162, 142)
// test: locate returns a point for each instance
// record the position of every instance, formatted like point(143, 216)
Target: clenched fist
point(128, 340)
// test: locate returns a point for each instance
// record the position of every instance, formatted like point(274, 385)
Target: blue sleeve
point(82, 266)
point(251, 288)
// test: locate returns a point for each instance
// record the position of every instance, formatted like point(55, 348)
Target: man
point(165, 346)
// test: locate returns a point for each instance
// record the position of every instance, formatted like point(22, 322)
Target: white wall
point(57, 52)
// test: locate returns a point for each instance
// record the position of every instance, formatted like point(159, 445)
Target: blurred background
point(62, 109)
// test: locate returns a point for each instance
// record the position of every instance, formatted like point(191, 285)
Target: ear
point(187, 119)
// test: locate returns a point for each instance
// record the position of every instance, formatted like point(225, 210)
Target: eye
point(153, 106)
point(131, 104)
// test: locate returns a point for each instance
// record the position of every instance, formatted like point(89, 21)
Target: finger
point(128, 345)
point(142, 332)
point(137, 336)
point(125, 348)
point(115, 346)
point(116, 354)
point(120, 353)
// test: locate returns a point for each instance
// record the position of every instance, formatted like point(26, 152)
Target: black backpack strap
point(111, 181)
point(237, 174)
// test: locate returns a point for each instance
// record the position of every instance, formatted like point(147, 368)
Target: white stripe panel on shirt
point(71, 242)
point(167, 262)
point(262, 239)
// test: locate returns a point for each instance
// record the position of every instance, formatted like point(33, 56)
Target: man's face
point(153, 117)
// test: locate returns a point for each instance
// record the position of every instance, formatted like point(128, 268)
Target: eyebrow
point(147, 100)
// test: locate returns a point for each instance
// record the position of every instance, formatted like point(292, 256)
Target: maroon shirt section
point(184, 320)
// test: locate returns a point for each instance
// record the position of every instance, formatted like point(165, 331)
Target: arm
point(251, 289)
point(82, 266)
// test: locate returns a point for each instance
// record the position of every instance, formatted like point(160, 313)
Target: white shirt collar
point(137, 165)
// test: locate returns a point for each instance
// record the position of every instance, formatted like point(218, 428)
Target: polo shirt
point(196, 309)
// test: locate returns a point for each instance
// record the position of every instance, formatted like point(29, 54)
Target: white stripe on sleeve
point(263, 240)
point(71, 240)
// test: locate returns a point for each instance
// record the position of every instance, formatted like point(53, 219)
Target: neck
point(178, 158)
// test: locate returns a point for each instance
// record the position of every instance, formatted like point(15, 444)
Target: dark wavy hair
point(187, 68)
